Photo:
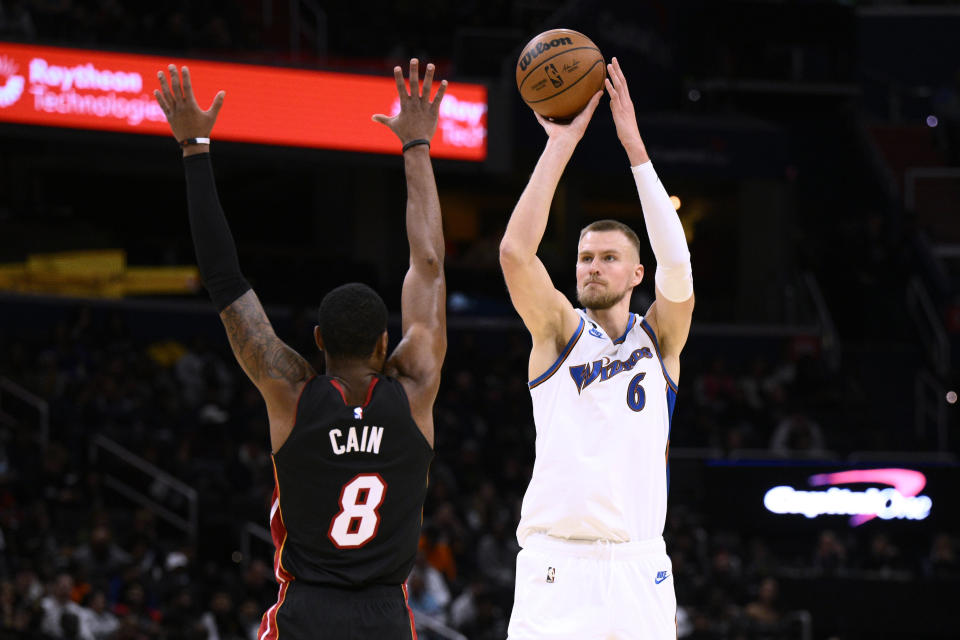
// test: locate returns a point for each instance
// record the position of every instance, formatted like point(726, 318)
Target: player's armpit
point(417, 360)
point(416, 363)
point(278, 371)
point(671, 322)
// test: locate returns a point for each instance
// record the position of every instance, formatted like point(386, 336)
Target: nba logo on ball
point(558, 72)
point(551, 574)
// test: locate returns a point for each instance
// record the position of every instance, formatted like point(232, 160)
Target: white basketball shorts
point(580, 590)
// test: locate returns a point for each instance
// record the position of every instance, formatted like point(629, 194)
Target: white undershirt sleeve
point(674, 276)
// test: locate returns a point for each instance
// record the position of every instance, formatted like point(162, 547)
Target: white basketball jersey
point(602, 414)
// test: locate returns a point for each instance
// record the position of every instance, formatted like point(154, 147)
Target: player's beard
point(599, 299)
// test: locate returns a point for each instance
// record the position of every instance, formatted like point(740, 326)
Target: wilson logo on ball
point(539, 48)
point(559, 72)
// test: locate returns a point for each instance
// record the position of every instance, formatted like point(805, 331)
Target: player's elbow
point(675, 283)
point(431, 265)
point(511, 255)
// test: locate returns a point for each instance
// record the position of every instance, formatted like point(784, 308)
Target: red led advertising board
point(55, 87)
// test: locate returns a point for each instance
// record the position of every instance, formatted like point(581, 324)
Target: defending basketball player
point(351, 448)
point(603, 384)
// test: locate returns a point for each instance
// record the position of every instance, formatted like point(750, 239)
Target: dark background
point(827, 299)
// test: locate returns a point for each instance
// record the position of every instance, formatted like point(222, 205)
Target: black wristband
point(189, 141)
point(413, 143)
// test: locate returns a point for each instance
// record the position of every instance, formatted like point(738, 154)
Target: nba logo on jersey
point(358, 413)
point(551, 574)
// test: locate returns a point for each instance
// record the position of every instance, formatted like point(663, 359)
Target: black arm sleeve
point(212, 240)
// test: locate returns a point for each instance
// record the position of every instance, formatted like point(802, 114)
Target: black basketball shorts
point(313, 612)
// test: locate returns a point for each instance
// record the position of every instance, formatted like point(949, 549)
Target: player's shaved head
point(352, 318)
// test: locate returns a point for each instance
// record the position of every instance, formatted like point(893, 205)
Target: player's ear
point(638, 275)
point(317, 337)
point(382, 344)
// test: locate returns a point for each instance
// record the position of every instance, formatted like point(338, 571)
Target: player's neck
point(613, 321)
point(354, 376)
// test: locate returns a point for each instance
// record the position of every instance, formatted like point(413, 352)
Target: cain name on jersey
point(368, 441)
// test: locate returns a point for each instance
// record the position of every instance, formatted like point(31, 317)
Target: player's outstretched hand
point(186, 118)
point(418, 114)
point(574, 129)
point(624, 115)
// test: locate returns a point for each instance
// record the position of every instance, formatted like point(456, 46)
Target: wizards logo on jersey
point(584, 374)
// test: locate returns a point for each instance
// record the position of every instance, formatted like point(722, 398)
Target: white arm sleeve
point(674, 274)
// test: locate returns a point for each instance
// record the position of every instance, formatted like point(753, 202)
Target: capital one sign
point(897, 496)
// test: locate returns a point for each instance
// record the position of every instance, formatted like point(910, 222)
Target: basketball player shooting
point(351, 448)
point(603, 383)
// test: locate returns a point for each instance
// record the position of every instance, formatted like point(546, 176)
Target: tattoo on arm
point(259, 351)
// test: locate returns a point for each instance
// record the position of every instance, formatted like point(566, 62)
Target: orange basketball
point(558, 72)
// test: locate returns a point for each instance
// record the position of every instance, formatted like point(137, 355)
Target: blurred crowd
point(210, 26)
point(77, 562)
point(253, 28)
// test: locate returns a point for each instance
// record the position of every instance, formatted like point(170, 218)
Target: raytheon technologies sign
point(896, 498)
point(13, 83)
point(85, 89)
point(54, 87)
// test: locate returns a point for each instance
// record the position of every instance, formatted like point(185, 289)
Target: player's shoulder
point(392, 393)
point(391, 385)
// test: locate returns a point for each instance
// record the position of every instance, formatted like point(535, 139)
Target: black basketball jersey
point(350, 486)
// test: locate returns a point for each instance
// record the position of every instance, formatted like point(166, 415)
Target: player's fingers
point(616, 66)
point(175, 83)
point(160, 100)
point(414, 77)
point(165, 88)
point(381, 118)
point(614, 77)
point(440, 93)
point(587, 112)
point(610, 89)
point(401, 86)
point(428, 82)
point(595, 100)
point(621, 79)
point(187, 84)
point(217, 103)
point(163, 103)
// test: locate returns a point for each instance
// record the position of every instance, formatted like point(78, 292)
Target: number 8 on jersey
point(358, 520)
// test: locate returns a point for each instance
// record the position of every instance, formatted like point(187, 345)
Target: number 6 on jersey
point(358, 520)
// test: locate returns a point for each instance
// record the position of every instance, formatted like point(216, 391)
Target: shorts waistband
point(604, 549)
point(331, 592)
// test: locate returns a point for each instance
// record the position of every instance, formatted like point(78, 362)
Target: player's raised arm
point(277, 370)
point(671, 313)
point(546, 312)
point(417, 360)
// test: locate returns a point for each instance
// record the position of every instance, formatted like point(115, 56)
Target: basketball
point(558, 72)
